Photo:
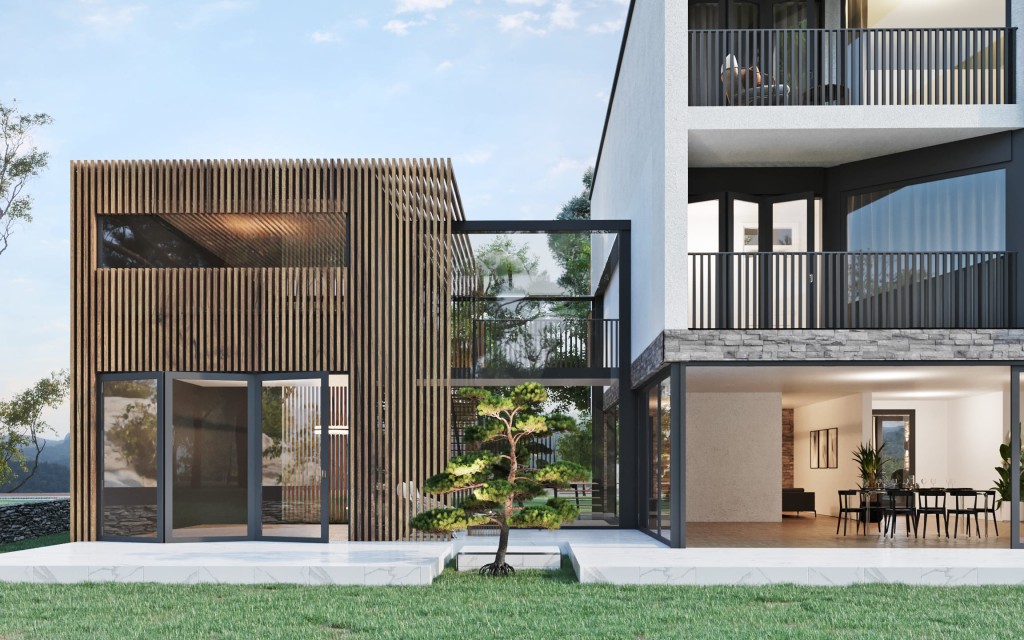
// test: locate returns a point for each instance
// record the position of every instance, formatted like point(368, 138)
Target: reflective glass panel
point(291, 458)
point(965, 213)
point(209, 461)
point(129, 458)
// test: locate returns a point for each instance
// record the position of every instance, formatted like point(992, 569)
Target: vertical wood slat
point(393, 290)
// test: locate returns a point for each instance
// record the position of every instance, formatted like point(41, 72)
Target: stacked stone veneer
point(829, 345)
point(33, 519)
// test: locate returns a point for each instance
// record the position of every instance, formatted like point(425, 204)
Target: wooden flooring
point(808, 531)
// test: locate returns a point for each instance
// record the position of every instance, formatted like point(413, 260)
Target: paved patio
point(608, 556)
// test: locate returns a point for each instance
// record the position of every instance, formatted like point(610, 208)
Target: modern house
point(805, 237)
point(260, 348)
point(825, 199)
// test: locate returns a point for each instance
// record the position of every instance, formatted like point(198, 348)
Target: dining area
point(955, 511)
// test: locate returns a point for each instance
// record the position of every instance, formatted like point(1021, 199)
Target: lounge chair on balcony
point(748, 86)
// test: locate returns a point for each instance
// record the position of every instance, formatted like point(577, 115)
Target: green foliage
point(561, 473)
point(575, 446)
point(870, 462)
point(19, 162)
point(21, 423)
point(1003, 485)
point(134, 435)
point(445, 520)
point(498, 479)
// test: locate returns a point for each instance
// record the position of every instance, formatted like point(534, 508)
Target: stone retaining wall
point(34, 519)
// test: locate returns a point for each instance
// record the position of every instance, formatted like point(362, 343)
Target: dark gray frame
point(912, 415)
point(1015, 429)
point(101, 431)
point(164, 444)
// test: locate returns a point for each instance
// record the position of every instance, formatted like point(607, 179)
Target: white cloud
point(563, 16)
point(408, 6)
point(608, 26)
point(444, 66)
point(108, 19)
point(477, 157)
point(324, 36)
point(523, 21)
point(400, 27)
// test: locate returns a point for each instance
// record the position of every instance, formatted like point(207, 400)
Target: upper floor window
point(755, 14)
point(965, 213)
point(208, 240)
point(925, 14)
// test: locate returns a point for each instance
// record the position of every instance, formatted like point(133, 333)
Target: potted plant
point(870, 462)
point(1003, 487)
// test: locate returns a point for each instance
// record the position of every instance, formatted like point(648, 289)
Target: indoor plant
point(870, 462)
point(1003, 486)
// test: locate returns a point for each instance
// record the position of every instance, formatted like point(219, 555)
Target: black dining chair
point(989, 507)
point(899, 502)
point(932, 502)
point(965, 503)
point(848, 508)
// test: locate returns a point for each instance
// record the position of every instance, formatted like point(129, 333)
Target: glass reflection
point(209, 458)
point(291, 456)
point(129, 424)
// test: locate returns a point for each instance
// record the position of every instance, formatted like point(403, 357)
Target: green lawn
point(532, 605)
point(32, 543)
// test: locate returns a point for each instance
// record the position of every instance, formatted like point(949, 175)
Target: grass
point(533, 604)
point(32, 543)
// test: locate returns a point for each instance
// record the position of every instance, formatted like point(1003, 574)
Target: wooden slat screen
point(383, 319)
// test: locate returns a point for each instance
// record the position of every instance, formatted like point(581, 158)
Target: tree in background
point(498, 480)
point(18, 163)
point(22, 425)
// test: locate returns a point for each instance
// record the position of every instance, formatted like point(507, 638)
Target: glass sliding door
point(207, 456)
point(659, 459)
point(292, 445)
point(130, 461)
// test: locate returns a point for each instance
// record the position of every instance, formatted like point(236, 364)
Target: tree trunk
point(499, 557)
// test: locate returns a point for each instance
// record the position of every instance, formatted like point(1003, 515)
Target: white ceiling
point(803, 385)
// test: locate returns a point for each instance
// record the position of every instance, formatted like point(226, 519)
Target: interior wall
point(975, 433)
point(733, 457)
point(852, 416)
point(787, 449)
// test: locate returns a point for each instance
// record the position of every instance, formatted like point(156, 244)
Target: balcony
point(553, 350)
point(852, 290)
point(817, 67)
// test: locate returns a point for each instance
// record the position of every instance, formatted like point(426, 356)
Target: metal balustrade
point(852, 290)
point(531, 345)
point(746, 67)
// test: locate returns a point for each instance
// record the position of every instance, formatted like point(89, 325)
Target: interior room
point(769, 448)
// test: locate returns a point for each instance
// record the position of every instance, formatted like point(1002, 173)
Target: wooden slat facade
point(383, 318)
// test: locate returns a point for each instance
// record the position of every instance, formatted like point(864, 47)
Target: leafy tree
point(575, 445)
point(497, 480)
point(21, 425)
point(18, 163)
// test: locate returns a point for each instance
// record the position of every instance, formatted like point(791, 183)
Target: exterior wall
point(642, 173)
point(733, 457)
point(383, 319)
point(852, 416)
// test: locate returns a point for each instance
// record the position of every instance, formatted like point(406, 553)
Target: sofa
point(798, 500)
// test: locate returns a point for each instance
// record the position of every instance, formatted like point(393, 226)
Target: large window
point(659, 439)
point(923, 14)
point(965, 213)
point(197, 240)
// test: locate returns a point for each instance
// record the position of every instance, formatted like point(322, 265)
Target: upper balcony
point(879, 67)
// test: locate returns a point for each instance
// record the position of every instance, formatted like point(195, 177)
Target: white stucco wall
point(642, 171)
point(733, 457)
point(852, 416)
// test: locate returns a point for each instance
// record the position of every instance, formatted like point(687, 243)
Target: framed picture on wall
point(833, 448)
point(814, 450)
point(823, 449)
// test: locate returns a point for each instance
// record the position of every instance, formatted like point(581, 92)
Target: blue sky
point(514, 91)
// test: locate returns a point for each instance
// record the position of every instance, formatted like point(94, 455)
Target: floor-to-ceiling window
point(658, 438)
